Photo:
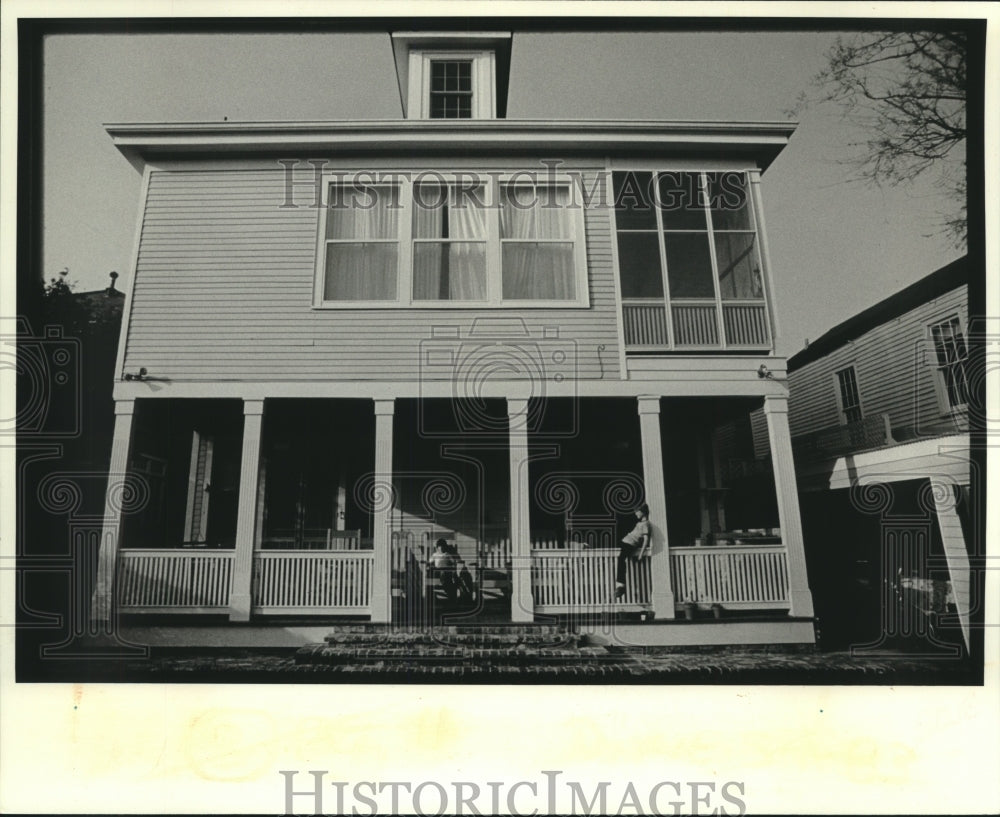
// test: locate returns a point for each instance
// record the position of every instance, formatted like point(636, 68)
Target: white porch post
point(240, 599)
point(652, 469)
point(102, 602)
point(776, 411)
point(381, 590)
point(522, 606)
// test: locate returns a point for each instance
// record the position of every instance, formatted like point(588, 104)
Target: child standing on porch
point(634, 544)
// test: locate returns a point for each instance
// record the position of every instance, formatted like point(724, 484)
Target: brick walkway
point(681, 667)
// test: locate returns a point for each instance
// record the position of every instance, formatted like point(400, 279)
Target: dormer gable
point(451, 75)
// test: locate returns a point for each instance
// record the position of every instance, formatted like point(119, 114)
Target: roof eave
point(762, 141)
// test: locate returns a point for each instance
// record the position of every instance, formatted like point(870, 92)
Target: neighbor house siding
point(224, 291)
point(895, 368)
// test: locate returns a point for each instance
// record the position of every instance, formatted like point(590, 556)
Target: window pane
point(538, 271)
point(535, 212)
point(442, 212)
point(727, 193)
point(633, 200)
point(689, 265)
point(360, 272)
point(739, 269)
point(681, 201)
point(449, 271)
point(363, 213)
point(639, 265)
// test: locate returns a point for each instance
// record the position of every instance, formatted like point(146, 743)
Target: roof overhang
point(756, 142)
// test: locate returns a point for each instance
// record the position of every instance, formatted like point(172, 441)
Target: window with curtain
point(449, 243)
point(452, 240)
point(735, 238)
point(362, 244)
point(536, 235)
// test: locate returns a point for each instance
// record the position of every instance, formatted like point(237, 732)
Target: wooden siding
point(895, 367)
point(224, 289)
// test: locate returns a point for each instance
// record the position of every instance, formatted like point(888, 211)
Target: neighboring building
point(879, 413)
point(346, 339)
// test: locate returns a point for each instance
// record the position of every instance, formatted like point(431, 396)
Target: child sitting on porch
point(454, 575)
point(634, 544)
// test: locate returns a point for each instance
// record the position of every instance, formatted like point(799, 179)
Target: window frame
point(945, 406)
point(838, 393)
point(490, 181)
point(716, 300)
point(483, 71)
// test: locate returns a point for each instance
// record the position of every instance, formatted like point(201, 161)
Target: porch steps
point(416, 651)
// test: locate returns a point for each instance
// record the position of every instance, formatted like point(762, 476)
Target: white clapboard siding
point(895, 368)
point(224, 288)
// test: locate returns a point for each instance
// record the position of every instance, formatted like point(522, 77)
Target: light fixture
point(763, 371)
point(140, 376)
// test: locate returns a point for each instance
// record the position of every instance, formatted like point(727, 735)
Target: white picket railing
point(736, 577)
point(583, 581)
point(174, 581)
point(312, 582)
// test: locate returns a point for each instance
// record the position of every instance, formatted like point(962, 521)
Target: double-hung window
point(952, 357)
point(451, 89)
point(361, 244)
point(849, 399)
point(458, 240)
point(689, 263)
point(449, 243)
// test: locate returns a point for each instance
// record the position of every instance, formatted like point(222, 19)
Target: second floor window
point(689, 263)
point(453, 242)
point(952, 357)
point(850, 399)
point(451, 89)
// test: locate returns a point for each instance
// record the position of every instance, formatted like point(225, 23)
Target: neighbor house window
point(458, 240)
point(451, 89)
point(689, 263)
point(952, 356)
point(848, 397)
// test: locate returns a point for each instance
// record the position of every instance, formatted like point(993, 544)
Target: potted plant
point(689, 608)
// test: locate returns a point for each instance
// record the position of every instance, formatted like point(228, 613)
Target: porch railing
point(583, 581)
point(873, 431)
point(326, 582)
point(174, 581)
point(751, 577)
point(695, 325)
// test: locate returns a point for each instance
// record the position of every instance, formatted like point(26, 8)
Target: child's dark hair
point(643, 509)
point(441, 543)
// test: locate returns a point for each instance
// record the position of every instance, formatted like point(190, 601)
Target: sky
point(836, 245)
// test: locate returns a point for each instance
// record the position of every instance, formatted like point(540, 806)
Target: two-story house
point(879, 413)
point(344, 340)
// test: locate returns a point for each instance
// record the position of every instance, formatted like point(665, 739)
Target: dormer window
point(451, 89)
point(452, 76)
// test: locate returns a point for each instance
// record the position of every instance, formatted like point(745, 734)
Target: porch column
point(776, 411)
point(102, 602)
point(381, 592)
point(652, 469)
point(246, 514)
point(522, 605)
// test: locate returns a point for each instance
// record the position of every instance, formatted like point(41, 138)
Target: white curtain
point(536, 267)
point(362, 246)
point(739, 268)
point(454, 266)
